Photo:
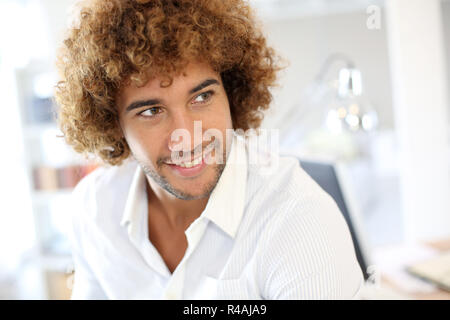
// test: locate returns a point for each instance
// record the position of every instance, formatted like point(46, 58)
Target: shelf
point(45, 151)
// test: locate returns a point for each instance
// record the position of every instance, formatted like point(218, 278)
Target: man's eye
point(151, 112)
point(204, 97)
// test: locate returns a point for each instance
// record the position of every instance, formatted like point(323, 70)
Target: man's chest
point(136, 269)
point(170, 245)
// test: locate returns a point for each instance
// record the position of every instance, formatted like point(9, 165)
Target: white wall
point(446, 23)
point(56, 13)
point(420, 99)
point(307, 42)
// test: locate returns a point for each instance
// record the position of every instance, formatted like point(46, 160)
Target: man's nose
point(182, 134)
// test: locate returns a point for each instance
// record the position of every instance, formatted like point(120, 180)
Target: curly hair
point(116, 42)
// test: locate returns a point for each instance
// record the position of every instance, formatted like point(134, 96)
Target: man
point(185, 209)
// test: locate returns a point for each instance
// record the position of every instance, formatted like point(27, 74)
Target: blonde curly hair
point(120, 41)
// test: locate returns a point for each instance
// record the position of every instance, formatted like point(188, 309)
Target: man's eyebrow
point(142, 103)
point(204, 84)
point(150, 102)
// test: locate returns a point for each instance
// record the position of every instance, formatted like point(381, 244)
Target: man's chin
point(191, 189)
point(186, 192)
point(196, 187)
point(186, 188)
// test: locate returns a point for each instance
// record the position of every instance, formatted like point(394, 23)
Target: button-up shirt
point(264, 234)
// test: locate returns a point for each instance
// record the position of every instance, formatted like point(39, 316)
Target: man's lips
point(192, 161)
point(189, 170)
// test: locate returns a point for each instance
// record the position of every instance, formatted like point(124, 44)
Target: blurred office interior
point(367, 86)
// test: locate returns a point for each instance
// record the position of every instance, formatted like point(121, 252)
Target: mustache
point(184, 155)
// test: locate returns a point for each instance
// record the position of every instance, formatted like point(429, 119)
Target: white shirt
point(262, 235)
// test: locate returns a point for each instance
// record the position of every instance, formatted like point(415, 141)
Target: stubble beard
point(179, 194)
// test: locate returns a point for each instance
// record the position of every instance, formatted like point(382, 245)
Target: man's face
point(152, 116)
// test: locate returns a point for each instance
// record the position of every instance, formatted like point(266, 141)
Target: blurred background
point(367, 87)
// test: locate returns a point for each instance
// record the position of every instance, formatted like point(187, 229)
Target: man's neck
point(178, 213)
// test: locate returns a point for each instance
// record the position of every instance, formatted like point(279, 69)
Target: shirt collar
point(225, 205)
point(136, 205)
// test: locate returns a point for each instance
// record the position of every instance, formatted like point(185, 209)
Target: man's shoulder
point(303, 230)
point(107, 185)
point(295, 201)
point(108, 176)
point(288, 195)
point(285, 181)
